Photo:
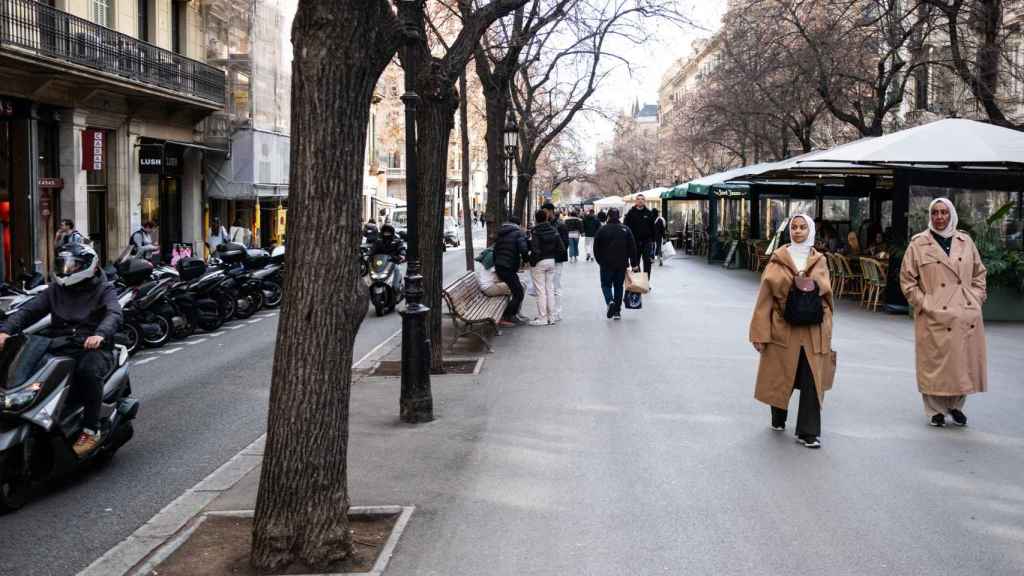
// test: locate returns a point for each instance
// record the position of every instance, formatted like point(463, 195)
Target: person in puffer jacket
point(545, 246)
point(510, 250)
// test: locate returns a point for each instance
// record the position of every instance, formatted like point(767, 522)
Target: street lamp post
point(416, 404)
point(511, 145)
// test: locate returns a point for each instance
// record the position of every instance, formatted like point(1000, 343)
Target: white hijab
point(800, 251)
point(953, 218)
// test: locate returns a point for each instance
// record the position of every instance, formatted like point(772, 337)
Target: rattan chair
point(853, 284)
point(874, 283)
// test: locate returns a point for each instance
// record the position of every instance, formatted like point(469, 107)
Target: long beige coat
point(947, 293)
point(776, 372)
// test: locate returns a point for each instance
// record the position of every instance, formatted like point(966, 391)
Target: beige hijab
point(953, 218)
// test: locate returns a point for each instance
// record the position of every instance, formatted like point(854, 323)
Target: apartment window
point(143, 20)
point(103, 12)
point(177, 18)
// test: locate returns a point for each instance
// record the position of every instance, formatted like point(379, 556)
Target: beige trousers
point(941, 404)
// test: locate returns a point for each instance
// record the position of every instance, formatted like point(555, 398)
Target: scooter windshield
point(21, 357)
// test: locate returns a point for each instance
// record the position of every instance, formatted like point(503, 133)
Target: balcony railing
point(29, 26)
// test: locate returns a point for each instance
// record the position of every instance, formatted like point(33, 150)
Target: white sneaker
point(556, 319)
point(539, 322)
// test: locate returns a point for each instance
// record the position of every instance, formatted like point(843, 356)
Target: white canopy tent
point(610, 202)
point(950, 142)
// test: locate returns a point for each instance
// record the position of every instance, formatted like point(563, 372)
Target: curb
point(166, 525)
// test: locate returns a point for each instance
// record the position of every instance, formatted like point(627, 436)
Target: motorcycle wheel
point(227, 306)
point(211, 324)
point(364, 267)
point(379, 309)
point(187, 329)
point(15, 482)
point(272, 294)
point(254, 301)
point(134, 342)
point(162, 337)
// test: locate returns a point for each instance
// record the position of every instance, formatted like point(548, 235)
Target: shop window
point(835, 210)
point(177, 28)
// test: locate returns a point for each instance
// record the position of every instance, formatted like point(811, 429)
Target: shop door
point(170, 216)
point(98, 221)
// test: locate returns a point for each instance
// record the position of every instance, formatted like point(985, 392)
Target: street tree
point(561, 69)
point(860, 52)
point(983, 43)
point(340, 50)
point(448, 32)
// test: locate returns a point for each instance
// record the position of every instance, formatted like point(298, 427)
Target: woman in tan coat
point(944, 279)
point(792, 356)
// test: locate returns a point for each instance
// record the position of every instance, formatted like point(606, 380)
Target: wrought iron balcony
point(29, 27)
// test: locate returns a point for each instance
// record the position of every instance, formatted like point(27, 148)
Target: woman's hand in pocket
point(759, 347)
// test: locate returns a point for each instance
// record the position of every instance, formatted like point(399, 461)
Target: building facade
point(99, 100)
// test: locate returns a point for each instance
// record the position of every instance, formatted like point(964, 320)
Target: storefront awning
point(196, 146)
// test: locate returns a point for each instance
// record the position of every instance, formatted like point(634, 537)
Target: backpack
point(803, 303)
point(486, 258)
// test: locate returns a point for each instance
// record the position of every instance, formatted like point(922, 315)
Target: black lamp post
point(511, 145)
point(416, 403)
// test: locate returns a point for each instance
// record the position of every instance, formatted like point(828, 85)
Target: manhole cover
point(394, 367)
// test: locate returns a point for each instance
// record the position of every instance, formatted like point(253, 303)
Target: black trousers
point(511, 277)
point(808, 419)
point(91, 369)
point(646, 250)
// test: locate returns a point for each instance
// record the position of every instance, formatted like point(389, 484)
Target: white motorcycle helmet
point(74, 264)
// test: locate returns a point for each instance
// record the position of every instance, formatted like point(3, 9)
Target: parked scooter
point(247, 291)
point(42, 418)
point(386, 287)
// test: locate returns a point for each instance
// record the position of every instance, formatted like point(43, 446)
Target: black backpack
point(803, 303)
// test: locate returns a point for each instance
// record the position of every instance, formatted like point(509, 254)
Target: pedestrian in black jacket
point(574, 225)
point(641, 222)
point(83, 306)
point(510, 250)
point(545, 246)
point(659, 234)
point(563, 232)
point(614, 250)
point(590, 227)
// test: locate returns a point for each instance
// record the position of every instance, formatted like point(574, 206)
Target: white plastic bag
point(668, 250)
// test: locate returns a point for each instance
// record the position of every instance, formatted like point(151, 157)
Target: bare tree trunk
point(435, 122)
point(341, 48)
point(496, 108)
point(467, 217)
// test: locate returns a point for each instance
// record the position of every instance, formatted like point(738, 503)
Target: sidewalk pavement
point(635, 447)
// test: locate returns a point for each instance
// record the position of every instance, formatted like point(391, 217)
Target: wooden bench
point(473, 309)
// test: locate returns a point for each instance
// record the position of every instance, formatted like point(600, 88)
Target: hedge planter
point(1004, 304)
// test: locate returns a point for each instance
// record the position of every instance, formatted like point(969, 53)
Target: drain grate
point(394, 367)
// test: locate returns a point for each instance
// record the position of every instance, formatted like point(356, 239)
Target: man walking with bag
point(640, 221)
point(614, 251)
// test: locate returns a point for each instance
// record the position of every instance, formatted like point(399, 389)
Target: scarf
point(953, 218)
point(800, 251)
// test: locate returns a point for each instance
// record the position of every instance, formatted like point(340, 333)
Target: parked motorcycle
point(247, 291)
point(42, 418)
point(385, 290)
point(268, 273)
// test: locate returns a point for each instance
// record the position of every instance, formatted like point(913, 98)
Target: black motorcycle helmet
point(387, 232)
point(74, 263)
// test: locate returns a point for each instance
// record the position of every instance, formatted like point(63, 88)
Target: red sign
point(94, 150)
point(44, 203)
point(51, 183)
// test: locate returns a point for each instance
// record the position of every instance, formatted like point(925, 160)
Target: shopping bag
point(637, 282)
point(633, 300)
point(668, 250)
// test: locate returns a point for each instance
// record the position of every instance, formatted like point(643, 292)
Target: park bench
point(473, 309)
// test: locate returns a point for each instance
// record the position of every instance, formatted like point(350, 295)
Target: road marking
point(143, 361)
point(194, 342)
point(376, 348)
point(215, 334)
point(254, 320)
point(169, 352)
point(236, 327)
point(267, 315)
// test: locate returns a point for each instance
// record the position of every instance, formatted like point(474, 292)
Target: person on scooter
point(392, 245)
point(81, 302)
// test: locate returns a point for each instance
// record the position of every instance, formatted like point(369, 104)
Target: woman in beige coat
point(794, 357)
point(944, 279)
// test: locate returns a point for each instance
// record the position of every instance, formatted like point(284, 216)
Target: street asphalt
point(202, 400)
point(597, 447)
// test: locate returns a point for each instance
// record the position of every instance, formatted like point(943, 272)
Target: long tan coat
point(947, 293)
point(776, 372)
